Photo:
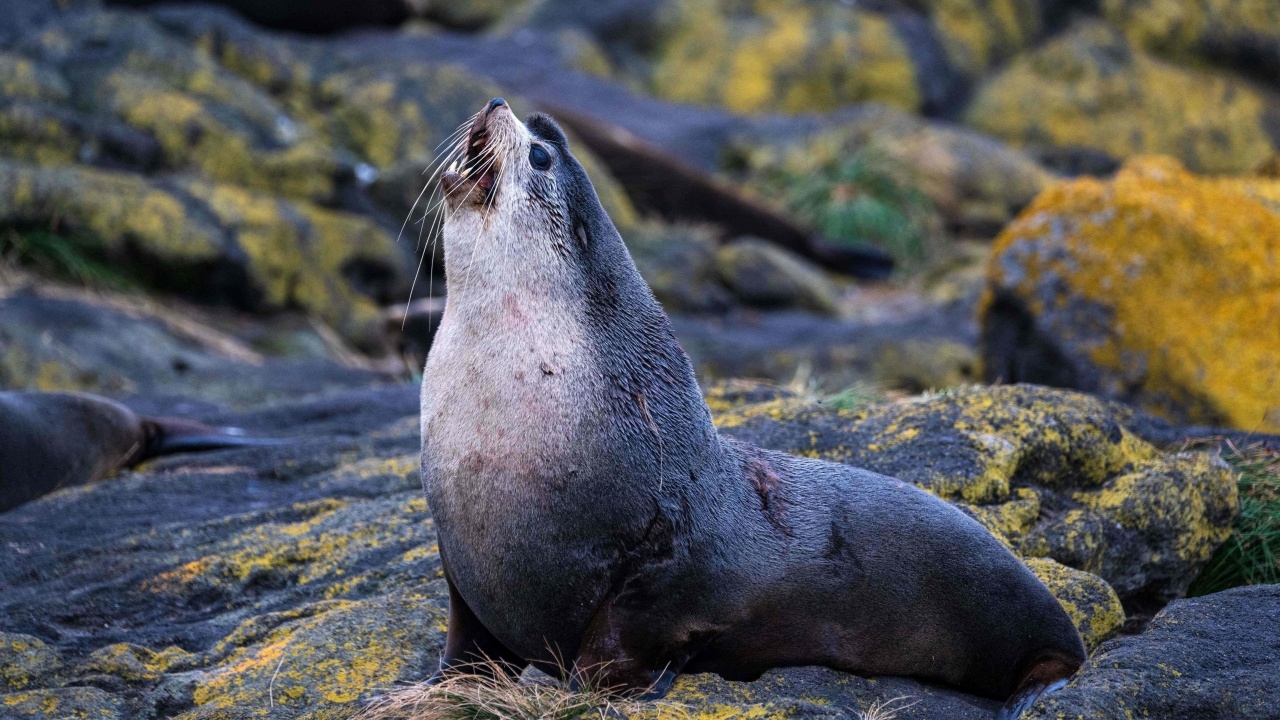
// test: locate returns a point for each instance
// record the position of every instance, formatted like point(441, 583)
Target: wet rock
point(1088, 291)
point(923, 347)
point(1091, 88)
point(762, 274)
point(1054, 473)
point(121, 346)
point(1207, 658)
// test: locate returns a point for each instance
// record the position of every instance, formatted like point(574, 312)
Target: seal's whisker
point(441, 162)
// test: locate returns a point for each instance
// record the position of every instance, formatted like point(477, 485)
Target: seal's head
point(520, 208)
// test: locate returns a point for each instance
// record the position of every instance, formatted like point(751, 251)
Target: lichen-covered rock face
point(1228, 642)
point(977, 35)
point(1091, 88)
point(230, 164)
point(1155, 288)
point(782, 56)
point(1244, 34)
point(977, 183)
point(762, 274)
point(1054, 474)
point(299, 580)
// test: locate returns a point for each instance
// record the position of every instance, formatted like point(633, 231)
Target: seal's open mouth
point(474, 175)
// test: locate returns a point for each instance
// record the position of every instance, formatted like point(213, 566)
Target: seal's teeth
point(453, 166)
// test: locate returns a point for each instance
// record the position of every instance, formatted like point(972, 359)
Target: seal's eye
point(539, 158)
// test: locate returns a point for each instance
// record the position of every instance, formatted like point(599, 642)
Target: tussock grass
point(1251, 556)
point(866, 198)
point(494, 695)
point(61, 257)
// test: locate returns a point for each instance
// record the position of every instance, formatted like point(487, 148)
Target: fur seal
point(53, 440)
point(588, 511)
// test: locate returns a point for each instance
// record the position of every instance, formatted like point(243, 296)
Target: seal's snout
point(472, 177)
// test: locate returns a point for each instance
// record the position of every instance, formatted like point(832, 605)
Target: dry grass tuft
point(887, 709)
point(495, 695)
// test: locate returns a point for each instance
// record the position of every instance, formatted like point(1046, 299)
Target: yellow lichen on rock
point(790, 56)
point(71, 703)
point(1186, 27)
point(322, 660)
point(1090, 602)
point(25, 660)
point(1159, 286)
point(1091, 89)
point(977, 33)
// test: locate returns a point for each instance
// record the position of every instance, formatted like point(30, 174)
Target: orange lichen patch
point(791, 56)
point(1185, 270)
point(1091, 89)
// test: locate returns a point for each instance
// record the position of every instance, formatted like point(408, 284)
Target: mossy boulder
point(1053, 473)
point(978, 34)
point(1092, 89)
point(1157, 288)
point(1242, 34)
point(762, 274)
point(976, 183)
point(789, 56)
point(217, 242)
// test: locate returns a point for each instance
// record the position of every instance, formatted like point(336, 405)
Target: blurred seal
point(53, 440)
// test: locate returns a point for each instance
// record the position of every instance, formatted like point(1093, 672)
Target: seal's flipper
point(1046, 675)
point(469, 647)
point(166, 436)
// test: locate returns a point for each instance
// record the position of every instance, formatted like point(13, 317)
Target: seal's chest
point(504, 393)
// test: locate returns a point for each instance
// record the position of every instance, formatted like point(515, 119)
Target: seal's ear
point(541, 125)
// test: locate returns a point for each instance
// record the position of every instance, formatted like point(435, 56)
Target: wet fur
point(587, 509)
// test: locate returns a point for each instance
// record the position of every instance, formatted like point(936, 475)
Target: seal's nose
point(494, 104)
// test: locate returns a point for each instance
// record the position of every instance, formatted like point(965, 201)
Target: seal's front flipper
point(1047, 674)
point(469, 647)
point(1024, 698)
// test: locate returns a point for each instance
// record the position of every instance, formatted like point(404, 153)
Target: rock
point(922, 346)
point(1240, 34)
point(1206, 658)
point(301, 580)
point(1091, 88)
point(762, 274)
point(56, 339)
point(679, 264)
point(469, 15)
point(217, 242)
point(979, 35)
point(788, 56)
point(1150, 288)
point(813, 692)
point(1055, 474)
point(975, 182)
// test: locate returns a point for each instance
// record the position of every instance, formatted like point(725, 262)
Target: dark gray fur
point(651, 545)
